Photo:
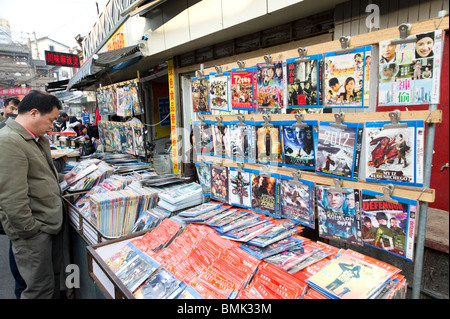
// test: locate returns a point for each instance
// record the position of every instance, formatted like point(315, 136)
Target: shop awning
point(103, 62)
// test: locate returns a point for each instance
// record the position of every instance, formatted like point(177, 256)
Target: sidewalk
point(6, 278)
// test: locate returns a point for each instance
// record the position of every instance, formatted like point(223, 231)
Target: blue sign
point(164, 111)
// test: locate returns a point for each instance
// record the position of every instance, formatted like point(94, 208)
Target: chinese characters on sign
point(62, 59)
point(14, 91)
point(173, 118)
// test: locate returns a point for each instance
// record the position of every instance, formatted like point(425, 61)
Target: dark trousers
point(39, 260)
point(20, 284)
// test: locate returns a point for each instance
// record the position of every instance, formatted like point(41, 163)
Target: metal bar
point(423, 212)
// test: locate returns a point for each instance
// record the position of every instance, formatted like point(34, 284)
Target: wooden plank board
point(362, 117)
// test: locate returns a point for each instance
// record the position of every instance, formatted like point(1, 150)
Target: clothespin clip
point(395, 117)
point(241, 65)
point(268, 59)
point(219, 120)
point(201, 72)
point(240, 167)
point(404, 29)
point(441, 14)
point(265, 171)
point(241, 119)
point(218, 70)
point(267, 121)
point(299, 118)
point(339, 119)
point(201, 118)
point(338, 186)
point(297, 175)
point(345, 45)
point(387, 193)
point(302, 54)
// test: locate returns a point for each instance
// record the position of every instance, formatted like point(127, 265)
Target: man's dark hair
point(44, 103)
point(333, 81)
point(14, 101)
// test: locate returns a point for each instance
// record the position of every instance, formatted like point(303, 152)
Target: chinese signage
point(62, 59)
point(173, 118)
point(14, 91)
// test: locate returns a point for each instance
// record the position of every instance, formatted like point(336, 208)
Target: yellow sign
point(173, 118)
point(117, 40)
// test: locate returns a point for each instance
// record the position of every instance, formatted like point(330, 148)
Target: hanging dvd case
point(243, 89)
point(204, 177)
point(395, 155)
point(219, 183)
point(339, 212)
point(239, 188)
point(219, 91)
point(345, 85)
point(388, 225)
point(220, 133)
point(271, 82)
point(298, 144)
point(304, 82)
point(409, 73)
point(199, 87)
point(202, 137)
point(264, 193)
point(297, 200)
point(268, 145)
point(242, 137)
point(339, 149)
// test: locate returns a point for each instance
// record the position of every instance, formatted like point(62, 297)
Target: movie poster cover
point(219, 183)
point(350, 277)
point(200, 102)
point(264, 194)
point(409, 74)
point(298, 146)
point(297, 201)
point(339, 214)
point(101, 132)
point(338, 150)
point(204, 177)
point(389, 226)
point(239, 188)
point(130, 140)
point(139, 140)
point(268, 146)
point(243, 89)
point(220, 139)
point(304, 82)
point(138, 108)
point(202, 138)
point(242, 142)
point(114, 127)
point(123, 138)
point(271, 84)
point(123, 101)
point(345, 79)
point(394, 155)
point(219, 92)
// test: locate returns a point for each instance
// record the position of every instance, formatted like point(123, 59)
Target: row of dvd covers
point(374, 151)
point(122, 100)
point(178, 261)
point(123, 137)
point(344, 214)
point(409, 74)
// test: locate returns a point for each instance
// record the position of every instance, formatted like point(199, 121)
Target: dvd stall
point(271, 170)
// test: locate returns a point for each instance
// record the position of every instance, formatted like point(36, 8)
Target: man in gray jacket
point(30, 198)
